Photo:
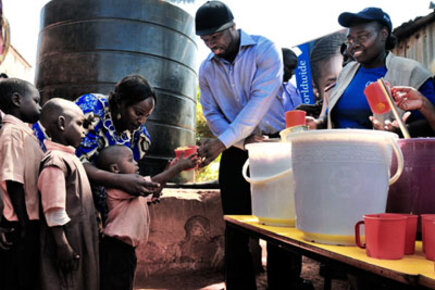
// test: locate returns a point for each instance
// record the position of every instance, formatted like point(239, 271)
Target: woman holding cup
point(369, 41)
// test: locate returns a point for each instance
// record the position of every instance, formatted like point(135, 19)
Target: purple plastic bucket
point(414, 191)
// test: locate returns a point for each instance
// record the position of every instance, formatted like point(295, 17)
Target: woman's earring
point(118, 116)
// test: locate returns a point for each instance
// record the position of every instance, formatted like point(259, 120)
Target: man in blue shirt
point(241, 97)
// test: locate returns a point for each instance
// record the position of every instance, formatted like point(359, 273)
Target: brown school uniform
point(20, 156)
point(81, 231)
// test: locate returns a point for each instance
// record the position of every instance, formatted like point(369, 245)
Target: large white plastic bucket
point(340, 175)
point(271, 180)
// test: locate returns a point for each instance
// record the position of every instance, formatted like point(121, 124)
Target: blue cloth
point(291, 97)
point(352, 109)
point(103, 133)
point(244, 96)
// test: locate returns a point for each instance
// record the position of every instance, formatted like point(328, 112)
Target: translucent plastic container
point(340, 175)
point(271, 179)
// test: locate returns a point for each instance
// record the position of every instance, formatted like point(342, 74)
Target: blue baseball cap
point(369, 14)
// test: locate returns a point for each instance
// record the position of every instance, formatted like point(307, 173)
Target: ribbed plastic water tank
point(87, 46)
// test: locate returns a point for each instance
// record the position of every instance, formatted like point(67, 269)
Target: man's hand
point(254, 138)
point(209, 150)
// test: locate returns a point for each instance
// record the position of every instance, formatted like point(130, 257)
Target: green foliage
point(202, 130)
point(210, 172)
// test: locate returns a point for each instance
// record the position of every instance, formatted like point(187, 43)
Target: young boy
point(20, 156)
point(69, 231)
point(128, 221)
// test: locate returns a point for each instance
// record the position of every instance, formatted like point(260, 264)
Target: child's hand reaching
point(175, 167)
point(185, 163)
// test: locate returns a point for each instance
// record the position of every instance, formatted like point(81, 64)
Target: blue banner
point(303, 74)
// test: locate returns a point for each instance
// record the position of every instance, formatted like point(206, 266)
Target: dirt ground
point(215, 281)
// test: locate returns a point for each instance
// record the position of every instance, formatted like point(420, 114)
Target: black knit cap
point(212, 17)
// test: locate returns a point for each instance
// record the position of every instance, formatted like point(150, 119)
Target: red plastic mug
point(429, 239)
point(188, 151)
point(295, 118)
point(384, 236)
point(411, 230)
point(376, 98)
point(425, 219)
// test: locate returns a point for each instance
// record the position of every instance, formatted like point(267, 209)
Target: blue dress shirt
point(244, 96)
point(291, 97)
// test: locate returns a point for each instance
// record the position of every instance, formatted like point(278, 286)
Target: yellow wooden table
point(414, 270)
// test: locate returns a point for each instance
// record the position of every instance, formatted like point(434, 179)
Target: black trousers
point(283, 268)
point(19, 266)
point(117, 264)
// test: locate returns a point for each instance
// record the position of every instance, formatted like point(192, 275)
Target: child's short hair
point(8, 87)
point(110, 155)
point(51, 111)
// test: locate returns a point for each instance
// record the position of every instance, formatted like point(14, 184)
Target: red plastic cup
point(384, 236)
point(188, 151)
point(411, 230)
point(376, 98)
point(295, 118)
point(425, 219)
point(429, 239)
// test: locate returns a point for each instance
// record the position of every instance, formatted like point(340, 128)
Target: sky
point(288, 23)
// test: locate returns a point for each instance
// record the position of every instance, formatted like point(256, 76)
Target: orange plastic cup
point(384, 236)
point(376, 98)
point(295, 118)
point(188, 151)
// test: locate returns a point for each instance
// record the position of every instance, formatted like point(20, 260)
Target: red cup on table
point(376, 98)
point(188, 151)
point(411, 230)
point(384, 236)
point(425, 219)
point(295, 118)
point(429, 239)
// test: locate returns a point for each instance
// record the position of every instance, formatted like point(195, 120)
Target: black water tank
point(88, 45)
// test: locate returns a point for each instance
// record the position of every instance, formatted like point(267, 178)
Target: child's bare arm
point(17, 196)
point(164, 176)
point(180, 165)
point(131, 183)
point(67, 259)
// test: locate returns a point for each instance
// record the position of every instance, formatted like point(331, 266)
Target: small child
point(128, 220)
point(20, 155)
point(69, 233)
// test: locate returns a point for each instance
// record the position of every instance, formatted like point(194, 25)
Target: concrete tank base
point(186, 235)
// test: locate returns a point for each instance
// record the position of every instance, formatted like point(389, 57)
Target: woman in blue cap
point(369, 42)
